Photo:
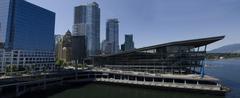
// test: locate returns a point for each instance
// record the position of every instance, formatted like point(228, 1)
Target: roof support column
point(203, 63)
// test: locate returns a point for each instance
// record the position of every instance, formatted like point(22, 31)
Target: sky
point(158, 21)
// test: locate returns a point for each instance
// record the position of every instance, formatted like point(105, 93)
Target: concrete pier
point(26, 84)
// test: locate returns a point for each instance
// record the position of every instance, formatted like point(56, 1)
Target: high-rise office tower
point(27, 33)
point(112, 35)
point(26, 26)
point(87, 23)
point(128, 44)
point(58, 46)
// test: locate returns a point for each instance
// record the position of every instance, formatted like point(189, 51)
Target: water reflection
point(113, 91)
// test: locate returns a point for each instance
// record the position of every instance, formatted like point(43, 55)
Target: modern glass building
point(26, 27)
point(4, 13)
point(112, 35)
point(178, 65)
point(87, 23)
point(128, 44)
point(180, 57)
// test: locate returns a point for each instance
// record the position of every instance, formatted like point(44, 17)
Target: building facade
point(180, 57)
point(63, 48)
point(78, 49)
point(87, 23)
point(26, 27)
point(36, 60)
point(58, 46)
point(112, 37)
point(107, 47)
point(128, 44)
point(66, 47)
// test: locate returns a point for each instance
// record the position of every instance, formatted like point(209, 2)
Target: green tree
point(60, 63)
point(30, 68)
point(10, 69)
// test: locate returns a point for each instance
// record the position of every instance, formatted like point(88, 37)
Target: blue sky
point(158, 21)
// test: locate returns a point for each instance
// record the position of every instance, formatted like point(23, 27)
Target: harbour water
point(227, 71)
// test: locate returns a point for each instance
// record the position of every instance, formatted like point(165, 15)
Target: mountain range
point(233, 48)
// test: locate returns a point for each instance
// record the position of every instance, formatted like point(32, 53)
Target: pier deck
point(163, 84)
point(173, 76)
point(190, 82)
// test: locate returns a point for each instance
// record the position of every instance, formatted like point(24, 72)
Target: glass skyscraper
point(112, 36)
point(4, 19)
point(87, 23)
point(26, 28)
point(128, 44)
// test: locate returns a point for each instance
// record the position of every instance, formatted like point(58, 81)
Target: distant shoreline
point(223, 59)
point(221, 56)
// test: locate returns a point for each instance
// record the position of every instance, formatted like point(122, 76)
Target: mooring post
point(197, 83)
point(102, 76)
